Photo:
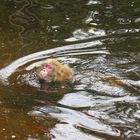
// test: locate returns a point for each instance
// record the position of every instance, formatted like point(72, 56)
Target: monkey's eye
point(49, 66)
point(46, 65)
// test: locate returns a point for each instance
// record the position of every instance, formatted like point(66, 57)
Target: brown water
point(100, 40)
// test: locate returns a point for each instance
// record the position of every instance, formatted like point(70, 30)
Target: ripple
point(67, 131)
point(80, 34)
point(93, 2)
point(13, 67)
point(92, 99)
point(73, 118)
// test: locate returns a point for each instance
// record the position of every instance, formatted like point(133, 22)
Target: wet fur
point(63, 73)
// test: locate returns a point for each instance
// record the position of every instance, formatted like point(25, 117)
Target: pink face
point(47, 72)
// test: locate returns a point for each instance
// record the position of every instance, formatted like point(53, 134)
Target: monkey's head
point(54, 71)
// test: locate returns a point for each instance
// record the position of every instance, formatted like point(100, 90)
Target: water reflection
point(100, 41)
point(100, 93)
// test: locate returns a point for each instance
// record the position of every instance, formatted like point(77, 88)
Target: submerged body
point(54, 71)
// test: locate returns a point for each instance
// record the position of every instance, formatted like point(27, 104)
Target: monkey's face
point(47, 72)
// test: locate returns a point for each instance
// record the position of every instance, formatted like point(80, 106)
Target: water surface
point(100, 40)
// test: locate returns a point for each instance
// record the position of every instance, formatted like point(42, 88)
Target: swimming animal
point(54, 71)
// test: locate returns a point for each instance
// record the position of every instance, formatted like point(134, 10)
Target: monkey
point(54, 71)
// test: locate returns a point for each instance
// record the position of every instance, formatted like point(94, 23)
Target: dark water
point(100, 40)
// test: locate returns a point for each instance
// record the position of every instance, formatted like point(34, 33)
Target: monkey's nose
point(43, 73)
